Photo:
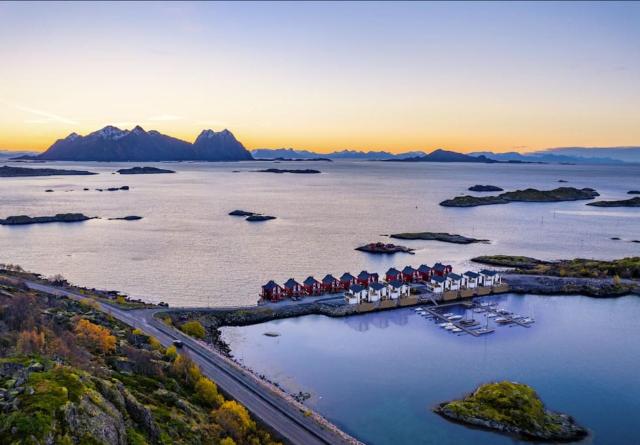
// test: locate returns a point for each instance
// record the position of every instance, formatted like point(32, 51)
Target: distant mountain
point(441, 155)
point(544, 157)
point(220, 146)
point(290, 153)
point(7, 154)
point(624, 154)
point(112, 144)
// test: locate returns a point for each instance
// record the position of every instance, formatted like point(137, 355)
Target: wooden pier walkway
point(439, 316)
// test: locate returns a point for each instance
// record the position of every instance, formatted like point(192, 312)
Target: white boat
point(456, 330)
point(478, 310)
point(442, 325)
point(448, 314)
point(450, 327)
point(502, 320)
point(528, 320)
point(455, 317)
point(492, 315)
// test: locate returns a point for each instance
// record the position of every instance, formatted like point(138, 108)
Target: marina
point(460, 324)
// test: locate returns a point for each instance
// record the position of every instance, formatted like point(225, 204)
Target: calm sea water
point(379, 375)
point(188, 251)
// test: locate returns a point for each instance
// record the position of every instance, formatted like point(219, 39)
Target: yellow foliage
point(167, 320)
point(208, 391)
point(193, 328)
point(136, 331)
point(95, 337)
point(90, 303)
point(120, 299)
point(235, 419)
point(227, 441)
point(171, 353)
point(155, 343)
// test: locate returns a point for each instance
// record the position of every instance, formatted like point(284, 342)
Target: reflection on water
point(378, 375)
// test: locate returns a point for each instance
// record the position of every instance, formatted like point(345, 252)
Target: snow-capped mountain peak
point(110, 132)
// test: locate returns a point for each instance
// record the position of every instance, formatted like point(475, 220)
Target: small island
point(143, 171)
point(633, 192)
point(242, 213)
point(255, 218)
point(632, 202)
point(127, 218)
point(18, 172)
point(60, 217)
point(514, 409)
point(303, 171)
point(529, 195)
point(438, 236)
point(485, 188)
point(382, 248)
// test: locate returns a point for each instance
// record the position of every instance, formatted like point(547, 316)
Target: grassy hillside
point(70, 374)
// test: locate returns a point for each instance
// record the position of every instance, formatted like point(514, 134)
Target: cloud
point(44, 116)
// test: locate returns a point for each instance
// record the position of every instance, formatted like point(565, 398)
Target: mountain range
point(111, 144)
point(290, 153)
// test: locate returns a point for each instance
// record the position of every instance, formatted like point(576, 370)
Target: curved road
point(269, 407)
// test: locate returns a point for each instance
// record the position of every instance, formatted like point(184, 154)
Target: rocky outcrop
point(305, 171)
point(529, 195)
point(255, 218)
point(97, 419)
point(514, 409)
point(632, 202)
point(438, 236)
point(242, 213)
point(382, 248)
point(127, 218)
point(60, 217)
point(16, 172)
point(549, 285)
point(143, 171)
point(485, 188)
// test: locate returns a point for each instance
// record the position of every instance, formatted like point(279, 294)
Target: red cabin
point(393, 274)
point(272, 291)
point(346, 280)
point(292, 288)
point(312, 286)
point(424, 273)
point(330, 284)
point(365, 278)
point(409, 274)
point(441, 270)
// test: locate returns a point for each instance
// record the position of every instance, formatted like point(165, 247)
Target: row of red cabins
point(272, 291)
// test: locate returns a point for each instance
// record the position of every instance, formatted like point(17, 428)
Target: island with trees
point(528, 195)
point(514, 409)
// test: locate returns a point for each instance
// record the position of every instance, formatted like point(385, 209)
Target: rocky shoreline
point(550, 285)
point(20, 220)
point(19, 172)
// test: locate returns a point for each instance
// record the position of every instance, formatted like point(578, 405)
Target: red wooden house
point(292, 288)
point(441, 270)
point(393, 274)
point(272, 291)
point(365, 278)
point(346, 280)
point(330, 284)
point(409, 274)
point(424, 272)
point(312, 286)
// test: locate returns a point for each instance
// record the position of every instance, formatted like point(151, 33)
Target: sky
point(325, 76)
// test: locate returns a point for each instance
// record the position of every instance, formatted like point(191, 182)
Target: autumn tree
point(30, 342)
point(208, 392)
point(235, 420)
point(95, 337)
point(193, 328)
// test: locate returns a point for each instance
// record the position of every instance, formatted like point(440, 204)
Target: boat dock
point(437, 315)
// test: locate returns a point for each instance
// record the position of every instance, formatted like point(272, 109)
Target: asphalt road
point(274, 411)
